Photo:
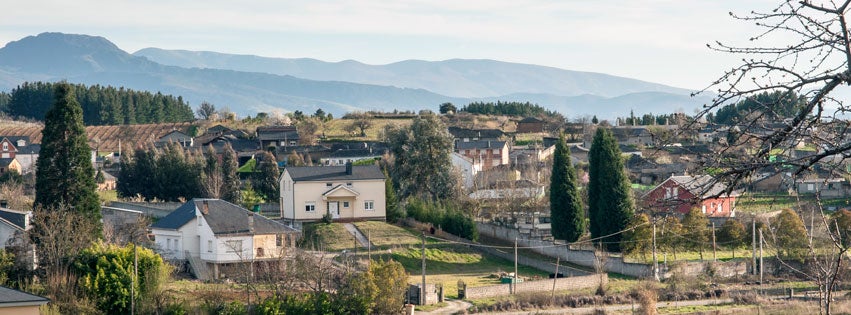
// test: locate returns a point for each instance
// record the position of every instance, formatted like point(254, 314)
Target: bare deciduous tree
point(802, 55)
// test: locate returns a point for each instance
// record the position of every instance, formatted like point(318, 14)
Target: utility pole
point(753, 245)
point(555, 279)
point(714, 252)
point(655, 261)
point(423, 288)
point(760, 256)
point(133, 284)
point(514, 282)
point(368, 249)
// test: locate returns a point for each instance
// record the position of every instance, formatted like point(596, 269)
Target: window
point(329, 184)
point(210, 246)
point(676, 192)
point(310, 206)
point(234, 246)
point(168, 243)
point(279, 240)
point(199, 220)
point(667, 192)
point(369, 205)
point(496, 151)
point(811, 187)
point(5, 146)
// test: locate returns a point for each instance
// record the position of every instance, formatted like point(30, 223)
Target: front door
point(334, 209)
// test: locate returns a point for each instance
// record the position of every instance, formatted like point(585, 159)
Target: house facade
point(491, 153)
point(277, 136)
point(468, 168)
point(679, 194)
point(824, 187)
point(175, 136)
point(346, 193)
point(210, 233)
point(530, 125)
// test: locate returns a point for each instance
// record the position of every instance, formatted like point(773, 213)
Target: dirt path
point(612, 308)
point(452, 307)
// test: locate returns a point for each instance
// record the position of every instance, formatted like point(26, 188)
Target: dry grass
point(336, 129)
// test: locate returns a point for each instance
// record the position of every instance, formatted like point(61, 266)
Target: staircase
point(199, 268)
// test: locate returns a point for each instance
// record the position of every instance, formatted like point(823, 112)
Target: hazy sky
point(661, 41)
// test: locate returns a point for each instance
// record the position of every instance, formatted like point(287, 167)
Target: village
point(334, 174)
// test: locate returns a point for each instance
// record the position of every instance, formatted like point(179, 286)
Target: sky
point(662, 41)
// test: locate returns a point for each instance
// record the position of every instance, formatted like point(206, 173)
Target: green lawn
point(385, 234)
point(335, 129)
point(107, 196)
point(761, 203)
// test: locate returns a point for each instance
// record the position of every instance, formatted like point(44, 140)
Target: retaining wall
point(570, 283)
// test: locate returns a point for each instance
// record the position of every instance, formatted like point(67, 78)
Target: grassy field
point(723, 254)
point(107, 195)
point(384, 234)
point(761, 203)
point(447, 264)
point(336, 129)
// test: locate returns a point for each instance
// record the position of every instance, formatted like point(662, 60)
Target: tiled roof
point(5, 162)
point(326, 173)
point(18, 218)
point(458, 132)
point(223, 218)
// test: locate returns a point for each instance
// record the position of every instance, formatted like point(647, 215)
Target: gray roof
point(458, 132)
point(11, 297)
point(702, 186)
point(327, 173)
point(356, 153)
point(223, 217)
point(277, 133)
point(480, 144)
point(15, 217)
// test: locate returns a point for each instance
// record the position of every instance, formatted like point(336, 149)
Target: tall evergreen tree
point(230, 176)
point(211, 177)
point(267, 177)
point(568, 217)
point(610, 203)
point(64, 174)
point(392, 202)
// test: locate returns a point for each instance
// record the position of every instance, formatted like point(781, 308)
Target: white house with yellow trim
point(346, 193)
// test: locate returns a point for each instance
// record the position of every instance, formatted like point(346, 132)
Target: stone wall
point(570, 283)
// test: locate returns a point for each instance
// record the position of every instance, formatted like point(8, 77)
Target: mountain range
point(248, 84)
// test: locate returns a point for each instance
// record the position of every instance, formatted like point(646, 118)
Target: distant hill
point(469, 78)
point(259, 86)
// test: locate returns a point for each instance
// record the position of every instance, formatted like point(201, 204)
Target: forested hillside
point(102, 105)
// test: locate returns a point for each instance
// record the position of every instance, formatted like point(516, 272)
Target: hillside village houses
point(212, 234)
point(679, 194)
point(345, 193)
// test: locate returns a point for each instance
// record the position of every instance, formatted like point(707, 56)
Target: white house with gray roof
point(346, 193)
point(213, 232)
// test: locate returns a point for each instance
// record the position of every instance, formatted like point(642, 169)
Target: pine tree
point(211, 177)
point(568, 217)
point(65, 175)
point(610, 203)
point(230, 176)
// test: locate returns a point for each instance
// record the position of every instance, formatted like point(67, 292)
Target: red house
point(679, 194)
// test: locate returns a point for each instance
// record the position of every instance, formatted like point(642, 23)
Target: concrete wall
point(570, 283)
point(613, 263)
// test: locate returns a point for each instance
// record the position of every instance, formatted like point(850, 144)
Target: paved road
point(357, 234)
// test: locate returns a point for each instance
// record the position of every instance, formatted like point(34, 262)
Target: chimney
point(251, 222)
point(348, 168)
point(206, 209)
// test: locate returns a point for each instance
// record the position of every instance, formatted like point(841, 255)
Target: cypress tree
point(610, 203)
point(64, 174)
point(392, 202)
point(568, 217)
point(230, 176)
point(268, 176)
